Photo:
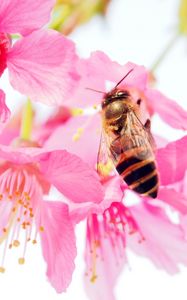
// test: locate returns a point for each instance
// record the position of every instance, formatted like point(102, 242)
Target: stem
point(26, 126)
point(165, 52)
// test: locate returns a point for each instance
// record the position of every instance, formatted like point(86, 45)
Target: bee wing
point(104, 163)
point(136, 134)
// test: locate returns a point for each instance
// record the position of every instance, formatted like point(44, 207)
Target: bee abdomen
point(140, 175)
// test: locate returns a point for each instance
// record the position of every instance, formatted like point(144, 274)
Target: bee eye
point(123, 94)
point(120, 93)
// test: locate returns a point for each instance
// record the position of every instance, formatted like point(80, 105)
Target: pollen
point(41, 228)
point(21, 260)
point(78, 134)
point(93, 278)
point(77, 112)
point(16, 243)
point(34, 241)
point(2, 270)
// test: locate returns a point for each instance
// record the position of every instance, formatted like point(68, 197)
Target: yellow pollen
point(17, 193)
point(16, 243)
point(21, 260)
point(25, 212)
point(31, 215)
point(4, 230)
point(41, 228)
point(78, 134)
point(14, 209)
point(20, 201)
point(2, 270)
point(77, 111)
point(18, 219)
point(10, 197)
point(1, 196)
point(95, 106)
point(105, 169)
point(34, 241)
point(93, 278)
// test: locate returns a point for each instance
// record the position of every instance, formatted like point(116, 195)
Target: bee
point(128, 142)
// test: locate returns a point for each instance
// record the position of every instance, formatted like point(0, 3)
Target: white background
point(137, 31)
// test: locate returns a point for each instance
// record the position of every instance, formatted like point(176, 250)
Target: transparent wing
point(104, 162)
point(133, 135)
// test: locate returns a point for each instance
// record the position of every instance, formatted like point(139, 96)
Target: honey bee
point(128, 142)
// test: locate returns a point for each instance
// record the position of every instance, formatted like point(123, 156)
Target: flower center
point(5, 44)
point(109, 231)
point(19, 191)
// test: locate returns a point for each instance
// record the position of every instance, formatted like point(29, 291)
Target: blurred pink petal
point(172, 161)
point(71, 176)
point(163, 242)
point(96, 70)
point(58, 244)
point(4, 110)
point(183, 223)
point(76, 133)
point(24, 16)
point(105, 252)
point(40, 66)
point(175, 199)
point(168, 110)
point(42, 133)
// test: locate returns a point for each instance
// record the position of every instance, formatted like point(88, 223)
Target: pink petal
point(168, 110)
point(17, 16)
point(42, 133)
point(113, 192)
point(164, 241)
point(174, 199)
point(96, 70)
point(172, 161)
point(58, 244)
point(183, 223)
point(42, 66)
point(74, 136)
point(4, 110)
point(74, 178)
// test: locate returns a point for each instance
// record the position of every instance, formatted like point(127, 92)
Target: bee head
point(114, 95)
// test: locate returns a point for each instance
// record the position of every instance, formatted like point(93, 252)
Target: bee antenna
point(123, 78)
point(95, 90)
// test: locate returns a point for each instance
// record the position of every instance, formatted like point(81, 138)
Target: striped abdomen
point(140, 174)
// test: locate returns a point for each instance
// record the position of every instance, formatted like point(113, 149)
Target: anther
point(41, 228)
point(16, 243)
point(21, 260)
point(2, 270)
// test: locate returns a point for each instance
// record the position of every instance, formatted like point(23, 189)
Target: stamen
point(78, 134)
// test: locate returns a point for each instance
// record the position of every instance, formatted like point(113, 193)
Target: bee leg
point(139, 101)
point(147, 124)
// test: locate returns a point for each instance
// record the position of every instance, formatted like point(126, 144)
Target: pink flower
point(40, 63)
point(111, 224)
point(26, 176)
point(144, 228)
